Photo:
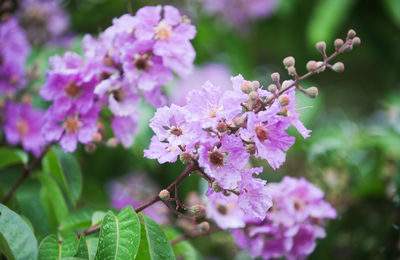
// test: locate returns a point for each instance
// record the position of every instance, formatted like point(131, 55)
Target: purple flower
point(14, 50)
point(292, 225)
point(68, 85)
point(70, 127)
point(162, 151)
point(23, 125)
point(172, 35)
point(134, 190)
point(125, 128)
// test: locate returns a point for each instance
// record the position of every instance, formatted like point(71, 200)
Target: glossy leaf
point(17, 240)
point(87, 247)
point(97, 217)
point(79, 219)
point(154, 244)
point(119, 235)
point(63, 246)
point(11, 157)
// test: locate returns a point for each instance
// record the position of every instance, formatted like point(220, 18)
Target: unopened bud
point(246, 87)
point(97, 137)
point(338, 43)
point(90, 148)
point(291, 70)
point(238, 121)
point(311, 65)
point(198, 211)
point(286, 84)
point(112, 142)
point(283, 112)
point(321, 46)
point(216, 187)
point(351, 33)
point(164, 195)
point(222, 127)
point(275, 77)
point(321, 67)
point(108, 61)
point(253, 95)
point(272, 88)
point(289, 61)
point(255, 84)
point(251, 148)
point(284, 100)
point(312, 92)
point(356, 41)
point(14, 79)
point(27, 99)
point(100, 125)
point(186, 157)
point(204, 226)
point(338, 67)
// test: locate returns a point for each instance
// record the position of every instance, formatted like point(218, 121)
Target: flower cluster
point(293, 223)
point(221, 130)
point(136, 54)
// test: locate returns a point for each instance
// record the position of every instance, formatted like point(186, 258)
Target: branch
point(192, 235)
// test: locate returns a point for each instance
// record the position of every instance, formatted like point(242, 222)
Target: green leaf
point(119, 235)
point(11, 157)
point(79, 219)
point(64, 168)
point(327, 17)
point(87, 247)
point(52, 197)
point(184, 249)
point(97, 217)
point(53, 247)
point(17, 240)
point(154, 244)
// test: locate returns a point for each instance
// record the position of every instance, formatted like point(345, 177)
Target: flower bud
point(272, 88)
point(321, 46)
point(96, 137)
point(90, 148)
point(216, 187)
point(319, 65)
point(289, 61)
point(186, 157)
point(204, 226)
point(255, 84)
point(251, 148)
point(311, 65)
point(112, 142)
point(275, 77)
point(246, 87)
point(291, 70)
point(338, 67)
point(198, 211)
point(312, 92)
point(283, 112)
point(351, 33)
point(108, 62)
point(284, 100)
point(14, 79)
point(356, 41)
point(286, 84)
point(222, 127)
point(164, 195)
point(338, 43)
point(253, 95)
point(238, 121)
point(27, 99)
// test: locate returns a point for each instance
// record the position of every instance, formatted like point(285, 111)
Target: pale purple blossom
point(125, 128)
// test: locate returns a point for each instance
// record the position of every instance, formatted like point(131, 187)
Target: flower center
point(72, 125)
point(22, 127)
point(213, 111)
point(216, 158)
point(261, 133)
point(298, 205)
point(176, 131)
point(72, 90)
point(163, 31)
point(223, 210)
point(119, 95)
point(141, 62)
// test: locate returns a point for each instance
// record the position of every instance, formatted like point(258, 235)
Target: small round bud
point(164, 195)
point(312, 92)
point(338, 67)
point(275, 77)
point(204, 226)
point(251, 148)
point(253, 95)
point(198, 211)
point(90, 148)
point(338, 43)
point(321, 66)
point(289, 61)
point(286, 84)
point(246, 87)
point(321, 46)
point(351, 33)
point(255, 84)
point(27, 99)
point(14, 79)
point(311, 65)
point(222, 127)
point(356, 41)
point(272, 88)
point(283, 112)
point(216, 187)
point(291, 70)
point(108, 62)
point(284, 100)
point(97, 137)
point(238, 121)
point(186, 157)
point(100, 125)
point(112, 142)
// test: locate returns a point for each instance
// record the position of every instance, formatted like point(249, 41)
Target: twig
point(192, 235)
